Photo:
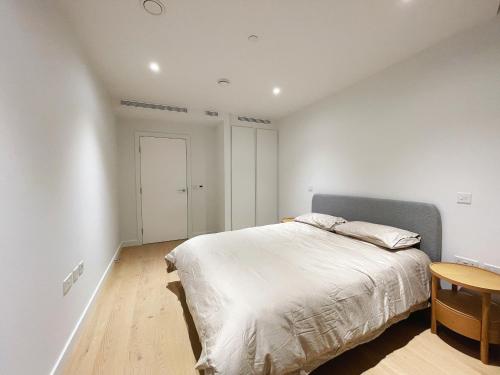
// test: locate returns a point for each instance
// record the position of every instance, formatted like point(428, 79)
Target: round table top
point(467, 276)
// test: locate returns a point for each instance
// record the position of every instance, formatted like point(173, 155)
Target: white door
point(267, 177)
point(164, 189)
point(242, 177)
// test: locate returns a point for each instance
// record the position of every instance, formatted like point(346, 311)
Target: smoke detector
point(153, 7)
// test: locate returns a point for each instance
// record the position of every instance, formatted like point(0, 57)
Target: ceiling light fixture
point(276, 91)
point(253, 38)
point(153, 7)
point(154, 67)
point(223, 82)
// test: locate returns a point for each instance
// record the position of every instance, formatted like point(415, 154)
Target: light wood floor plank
point(139, 324)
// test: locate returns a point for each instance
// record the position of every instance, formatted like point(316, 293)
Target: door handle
point(181, 190)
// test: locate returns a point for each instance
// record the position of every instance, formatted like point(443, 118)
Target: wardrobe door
point(242, 177)
point(267, 177)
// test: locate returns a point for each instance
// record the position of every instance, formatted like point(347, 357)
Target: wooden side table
point(469, 314)
point(287, 219)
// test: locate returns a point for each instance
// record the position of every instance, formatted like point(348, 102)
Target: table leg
point(434, 291)
point(485, 323)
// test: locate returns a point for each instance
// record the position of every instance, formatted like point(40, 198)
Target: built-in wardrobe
point(254, 177)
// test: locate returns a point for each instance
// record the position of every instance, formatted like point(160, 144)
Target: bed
point(285, 298)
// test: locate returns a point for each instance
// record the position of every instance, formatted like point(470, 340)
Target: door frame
point(154, 134)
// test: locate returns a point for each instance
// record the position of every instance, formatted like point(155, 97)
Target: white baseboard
point(200, 233)
point(58, 367)
point(130, 243)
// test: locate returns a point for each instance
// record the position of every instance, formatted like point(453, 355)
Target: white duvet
point(285, 298)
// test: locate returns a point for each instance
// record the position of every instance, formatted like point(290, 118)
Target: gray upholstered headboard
point(422, 218)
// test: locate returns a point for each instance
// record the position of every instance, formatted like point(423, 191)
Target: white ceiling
point(309, 48)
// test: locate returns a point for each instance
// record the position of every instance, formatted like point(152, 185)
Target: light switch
point(75, 274)
point(464, 198)
point(67, 283)
point(80, 268)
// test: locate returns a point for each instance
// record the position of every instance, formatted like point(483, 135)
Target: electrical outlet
point(80, 268)
point(492, 268)
point(310, 189)
point(467, 261)
point(464, 198)
point(75, 274)
point(67, 283)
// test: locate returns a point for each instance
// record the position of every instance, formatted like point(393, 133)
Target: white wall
point(220, 175)
point(204, 171)
point(421, 130)
point(57, 183)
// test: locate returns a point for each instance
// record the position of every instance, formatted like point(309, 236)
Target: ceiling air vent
point(256, 120)
point(161, 107)
point(212, 113)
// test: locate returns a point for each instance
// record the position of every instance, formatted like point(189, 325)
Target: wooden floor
point(139, 324)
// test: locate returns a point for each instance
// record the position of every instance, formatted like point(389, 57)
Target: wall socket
point(67, 283)
point(464, 198)
point(491, 267)
point(72, 278)
point(467, 261)
point(473, 262)
point(75, 274)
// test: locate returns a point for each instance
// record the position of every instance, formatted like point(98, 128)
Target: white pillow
point(381, 235)
point(322, 221)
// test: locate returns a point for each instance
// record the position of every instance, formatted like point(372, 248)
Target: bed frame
point(422, 218)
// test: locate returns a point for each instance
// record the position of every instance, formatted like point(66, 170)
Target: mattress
point(285, 298)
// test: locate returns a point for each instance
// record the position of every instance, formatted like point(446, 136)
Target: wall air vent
point(256, 120)
point(212, 113)
point(161, 107)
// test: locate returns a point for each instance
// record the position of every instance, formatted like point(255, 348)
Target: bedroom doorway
point(163, 188)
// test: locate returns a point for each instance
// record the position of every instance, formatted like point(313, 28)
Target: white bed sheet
point(285, 298)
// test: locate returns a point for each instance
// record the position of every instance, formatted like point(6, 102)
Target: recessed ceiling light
point(253, 38)
point(153, 7)
point(276, 91)
point(154, 67)
point(223, 82)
